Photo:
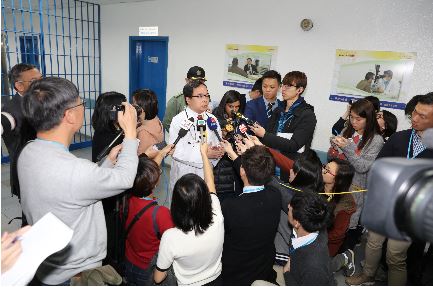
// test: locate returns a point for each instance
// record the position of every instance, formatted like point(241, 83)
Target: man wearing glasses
point(187, 157)
point(21, 76)
point(52, 179)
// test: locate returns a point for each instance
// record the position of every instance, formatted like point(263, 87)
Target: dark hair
point(228, 98)
point(297, 78)
point(249, 59)
point(388, 73)
point(259, 165)
point(364, 109)
point(272, 74)
point(426, 99)
point(235, 62)
point(258, 86)
point(311, 210)
point(148, 173)
point(343, 177)
point(308, 169)
point(188, 89)
point(148, 101)
point(369, 76)
point(191, 205)
point(15, 72)
point(375, 101)
point(390, 124)
point(410, 106)
point(46, 101)
point(101, 114)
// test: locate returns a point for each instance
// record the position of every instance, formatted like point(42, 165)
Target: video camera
point(121, 108)
point(399, 202)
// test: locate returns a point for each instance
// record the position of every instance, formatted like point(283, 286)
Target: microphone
point(184, 128)
point(427, 138)
point(201, 127)
point(8, 123)
point(243, 118)
point(213, 126)
point(107, 149)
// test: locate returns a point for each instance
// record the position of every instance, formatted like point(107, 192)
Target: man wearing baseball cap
point(177, 103)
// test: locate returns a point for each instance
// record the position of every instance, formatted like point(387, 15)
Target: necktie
point(269, 110)
point(356, 139)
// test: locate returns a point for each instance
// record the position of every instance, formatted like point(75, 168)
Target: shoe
point(349, 267)
point(360, 279)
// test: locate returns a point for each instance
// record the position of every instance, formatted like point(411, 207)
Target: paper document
point(45, 237)
point(289, 136)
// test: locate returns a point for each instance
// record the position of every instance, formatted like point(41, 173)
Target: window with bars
point(62, 39)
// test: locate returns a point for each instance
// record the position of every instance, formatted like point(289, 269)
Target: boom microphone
point(7, 122)
point(213, 126)
point(184, 128)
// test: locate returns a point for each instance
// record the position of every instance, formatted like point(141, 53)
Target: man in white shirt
point(387, 85)
point(186, 157)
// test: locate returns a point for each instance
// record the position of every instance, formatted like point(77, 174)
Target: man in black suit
point(249, 68)
point(20, 76)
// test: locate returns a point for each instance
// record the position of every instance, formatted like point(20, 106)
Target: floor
point(10, 206)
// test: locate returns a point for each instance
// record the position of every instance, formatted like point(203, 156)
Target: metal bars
point(61, 38)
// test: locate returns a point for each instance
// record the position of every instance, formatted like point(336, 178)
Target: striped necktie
point(269, 109)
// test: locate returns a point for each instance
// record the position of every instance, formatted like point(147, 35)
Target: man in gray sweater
point(53, 180)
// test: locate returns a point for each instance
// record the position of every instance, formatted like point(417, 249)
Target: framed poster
point(244, 64)
point(384, 74)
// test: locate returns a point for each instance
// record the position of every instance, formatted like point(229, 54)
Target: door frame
point(132, 66)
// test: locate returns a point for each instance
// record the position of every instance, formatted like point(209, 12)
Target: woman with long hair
point(360, 143)
point(106, 129)
point(150, 130)
point(194, 247)
point(228, 183)
point(387, 122)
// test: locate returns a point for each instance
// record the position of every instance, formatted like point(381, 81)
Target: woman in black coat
point(227, 182)
point(290, 128)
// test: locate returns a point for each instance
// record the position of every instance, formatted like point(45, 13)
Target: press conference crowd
point(249, 202)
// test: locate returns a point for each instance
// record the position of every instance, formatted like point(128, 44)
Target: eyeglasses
point(83, 103)
point(200, 96)
point(286, 87)
point(326, 170)
point(31, 81)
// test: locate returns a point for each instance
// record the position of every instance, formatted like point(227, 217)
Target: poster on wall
point(244, 64)
point(384, 74)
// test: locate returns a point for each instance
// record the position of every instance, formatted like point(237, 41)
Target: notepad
point(289, 136)
point(47, 236)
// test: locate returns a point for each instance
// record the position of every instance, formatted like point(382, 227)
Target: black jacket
point(227, 181)
point(302, 125)
point(16, 139)
point(397, 146)
point(310, 264)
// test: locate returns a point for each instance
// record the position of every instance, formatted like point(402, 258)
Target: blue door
point(148, 61)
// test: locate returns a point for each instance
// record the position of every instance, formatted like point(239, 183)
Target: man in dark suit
point(260, 109)
point(20, 76)
point(249, 68)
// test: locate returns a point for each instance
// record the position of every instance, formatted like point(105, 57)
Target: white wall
point(199, 30)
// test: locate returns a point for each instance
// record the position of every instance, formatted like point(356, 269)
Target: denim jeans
point(136, 276)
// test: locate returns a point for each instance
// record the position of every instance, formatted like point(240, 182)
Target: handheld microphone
point(7, 122)
point(184, 128)
point(243, 118)
point(201, 127)
point(213, 126)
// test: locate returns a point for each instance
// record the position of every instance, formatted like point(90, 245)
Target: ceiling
point(109, 2)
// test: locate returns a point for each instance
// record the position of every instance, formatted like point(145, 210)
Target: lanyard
point(53, 143)
point(409, 145)
point(251, 189)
